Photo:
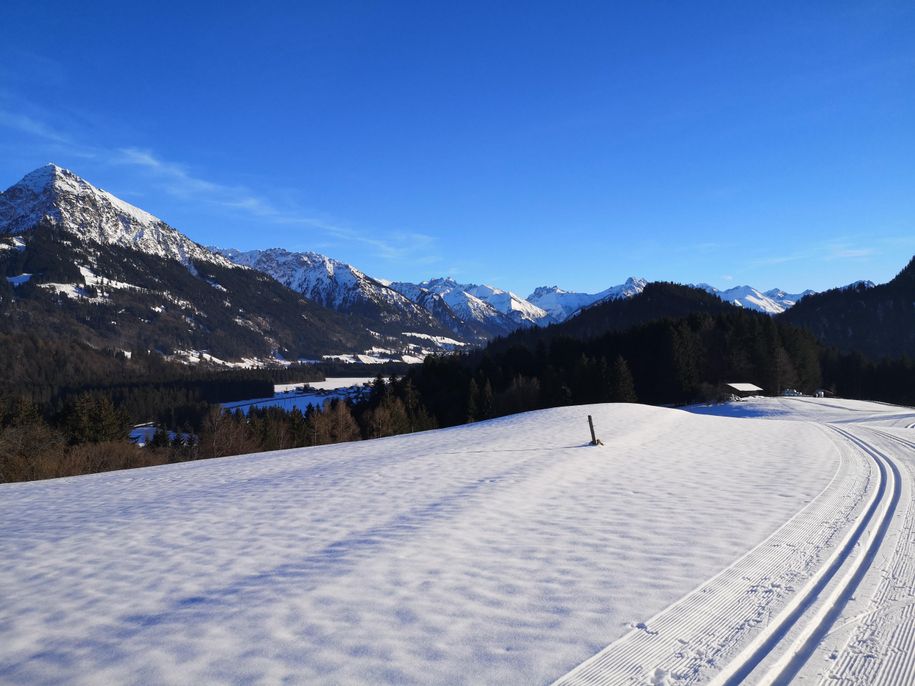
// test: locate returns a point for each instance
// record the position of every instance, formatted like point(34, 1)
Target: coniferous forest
point(67, 408)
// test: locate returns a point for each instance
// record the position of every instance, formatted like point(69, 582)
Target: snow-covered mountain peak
point(39, 179)
point(507, 302)
point(562, 304)
point(541, 291)
point(440, 285)
point(54, 181)
point(480, 302)
point(632, 286)
point(774, 301)
point(859, 285)
point(58, 196)
point(306, 271)
point(336, 285)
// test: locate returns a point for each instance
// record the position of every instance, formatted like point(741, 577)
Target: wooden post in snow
point(594, 439)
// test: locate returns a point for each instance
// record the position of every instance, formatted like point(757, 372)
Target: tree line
point(90, 435)
point(664, 362)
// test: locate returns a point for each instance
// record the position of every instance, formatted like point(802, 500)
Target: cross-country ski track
point(695, 638)
point(770, 542)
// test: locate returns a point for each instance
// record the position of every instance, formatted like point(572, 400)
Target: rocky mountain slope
point(77, 261)
point(59, 198)
point(656, 300)
point(562, 304)
point(343, 288)
point(774, 301)
point(480, 308)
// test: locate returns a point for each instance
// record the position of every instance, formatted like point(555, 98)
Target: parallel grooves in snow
point(687, 638)
point(860, 549)
point(887, 630)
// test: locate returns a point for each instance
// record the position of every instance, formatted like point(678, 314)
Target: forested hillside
point(666, 362)
point(877, 321)
point(658, 300)
point(117, 297)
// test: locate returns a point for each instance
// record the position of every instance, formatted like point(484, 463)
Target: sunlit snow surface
point(503, 552)
point(19, 279)
point(331, 383)
point(288, 396)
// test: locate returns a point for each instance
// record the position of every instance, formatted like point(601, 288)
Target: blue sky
point(517, 144)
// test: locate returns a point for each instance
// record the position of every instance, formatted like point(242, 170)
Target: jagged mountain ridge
point(62, 199)
point(440, 307)
point(657, 300)
point(491, 311)
point(476, 302)
point(80, 262)
point(561, 304)
point(774, 301)
point(125, 299)
point(59, 200)
point(340, 287)
point(435, 305)
point(787, 300)
point(470, 312)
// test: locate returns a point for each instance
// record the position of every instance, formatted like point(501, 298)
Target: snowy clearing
point(331, 383)
point(287, 398)
point(507, 551)
point(19, 279)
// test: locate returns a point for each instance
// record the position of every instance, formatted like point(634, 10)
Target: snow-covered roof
point(744, 387)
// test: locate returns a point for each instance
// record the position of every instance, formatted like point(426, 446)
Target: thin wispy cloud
point(24, 118)
point(849, 247)
point(705, 247)
point(26, 124)
point(777, 259)
point(904, 241)
point(32, 67)
point(179, 181)
point(845, 253)
point(829, 252)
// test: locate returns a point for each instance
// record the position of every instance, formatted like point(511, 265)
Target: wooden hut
point(743, 390)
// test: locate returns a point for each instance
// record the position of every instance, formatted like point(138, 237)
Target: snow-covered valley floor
point(689, 547)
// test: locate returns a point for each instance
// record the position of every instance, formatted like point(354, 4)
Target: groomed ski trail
point(880, 646)
point(695, 639)
point(806, 620)
point(686, 641)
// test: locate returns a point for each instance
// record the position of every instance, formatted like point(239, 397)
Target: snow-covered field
point(287, 398)
point(331, 383)
point(505, 552)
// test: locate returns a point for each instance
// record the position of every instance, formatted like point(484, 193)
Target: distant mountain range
point(77, 262)
point(80, 261)
point(774, 301)
point(493, 310)
point(562, 304)
point(470, 312)
point(340, 287)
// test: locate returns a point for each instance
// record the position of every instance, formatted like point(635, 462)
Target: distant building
point(742, 390)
